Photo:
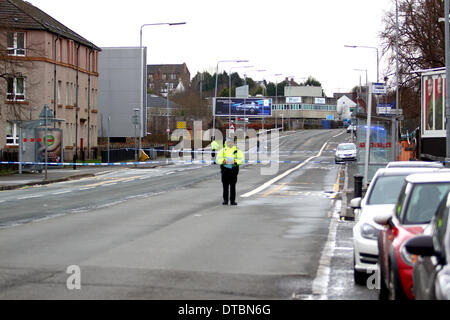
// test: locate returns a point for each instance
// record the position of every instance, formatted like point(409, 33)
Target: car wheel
point(383, 294)
point(359, 277)
point(395, 291)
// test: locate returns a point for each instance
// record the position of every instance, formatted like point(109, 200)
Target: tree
point(421, 46)
point(12, 68)
point(311, 81)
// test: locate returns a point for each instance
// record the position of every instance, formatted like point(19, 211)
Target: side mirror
point(356, 203)
point(383, 218)
point(421, 245)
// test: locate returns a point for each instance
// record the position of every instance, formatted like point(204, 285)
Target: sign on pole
point(379, 88)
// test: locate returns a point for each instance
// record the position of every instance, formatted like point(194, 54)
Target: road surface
point(163, 233)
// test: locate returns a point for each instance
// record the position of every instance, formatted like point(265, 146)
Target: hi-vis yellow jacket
point(214, 145)
point(232, 152)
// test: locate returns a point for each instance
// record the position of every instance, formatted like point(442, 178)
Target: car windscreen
point(346, 147)
point(424, 201)
point(386, 190)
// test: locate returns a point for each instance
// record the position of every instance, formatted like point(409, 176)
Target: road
point(163, 233)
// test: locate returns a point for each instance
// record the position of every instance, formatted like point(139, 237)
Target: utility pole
point(447, 74)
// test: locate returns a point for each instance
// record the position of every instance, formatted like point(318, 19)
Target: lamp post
point(229, 91)
point(142, 68)
point(276, 75)
point(378, 57)
point(289, 106)
point(245, 82)
point(215, 90)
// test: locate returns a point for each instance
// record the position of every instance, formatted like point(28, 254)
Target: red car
point(416, 206)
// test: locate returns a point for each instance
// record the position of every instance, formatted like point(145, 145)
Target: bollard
point(358, 186)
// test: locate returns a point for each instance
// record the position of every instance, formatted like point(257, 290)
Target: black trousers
point(229, 180)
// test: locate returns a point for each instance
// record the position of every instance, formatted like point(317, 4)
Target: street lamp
point(229, 92)
point(276, 75)
point(142, 68)
point(378, 58)
point(215, 91)
point(245, 109)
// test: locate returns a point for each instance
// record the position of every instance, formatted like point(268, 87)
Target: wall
point(120, 90)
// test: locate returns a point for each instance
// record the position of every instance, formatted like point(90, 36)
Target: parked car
point(408, 164)
point(419, 198)
point(431, 271)
point(381, 196)
point(345, 152)
point(351, 128)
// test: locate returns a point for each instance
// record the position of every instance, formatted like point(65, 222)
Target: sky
point(291, 37)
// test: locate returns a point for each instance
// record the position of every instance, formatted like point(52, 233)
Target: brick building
point(44, 62)
point(164, 77)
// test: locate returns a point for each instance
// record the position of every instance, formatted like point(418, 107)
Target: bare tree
point(421, 46)
point(11, 68)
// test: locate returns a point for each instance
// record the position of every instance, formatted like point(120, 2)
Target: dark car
point(416, 206)
point(431, 272)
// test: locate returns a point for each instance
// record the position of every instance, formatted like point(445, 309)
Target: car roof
point(404, 171)
point(438, 176)
point(346, 144)
point(416, 164)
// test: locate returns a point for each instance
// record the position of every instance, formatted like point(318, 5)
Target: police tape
point(125, 164)
point(246, 152)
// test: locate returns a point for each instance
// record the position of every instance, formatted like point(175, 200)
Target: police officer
point(214, 148)
point(229, 159)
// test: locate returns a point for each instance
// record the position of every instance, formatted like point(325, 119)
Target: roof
point(167, 68)
point(405, 171)
point(159, 102)
point(442, 175)
point(18, 14)
point(409, 164)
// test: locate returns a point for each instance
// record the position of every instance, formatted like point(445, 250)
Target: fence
point(9, 155)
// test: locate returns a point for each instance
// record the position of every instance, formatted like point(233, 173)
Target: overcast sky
point(292, 37)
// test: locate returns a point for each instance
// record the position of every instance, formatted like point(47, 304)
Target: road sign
point(379, 88)
point(135, 119)
point(181, 125)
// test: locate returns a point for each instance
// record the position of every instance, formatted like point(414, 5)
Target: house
point(43, 62)
point(168, 77)
point(345, 107)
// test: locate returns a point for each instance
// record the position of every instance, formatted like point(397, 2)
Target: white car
point(351, 128)
point(381, 196)
point(345, 152)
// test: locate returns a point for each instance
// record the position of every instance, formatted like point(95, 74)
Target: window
point(16, 43)
point(12, 133)
point(15, 89)
point(59, 96)
point(150, 77)
point(424, 201)
point(173, 76)
point(164, 76)
point(386, 190)
point(67, 93)
point(440, 226)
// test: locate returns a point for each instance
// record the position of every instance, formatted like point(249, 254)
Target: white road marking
point(30, 197)
point(61, 192)
point(322, 279)
point(281, 176)
point(1, 201)
point(83, 189)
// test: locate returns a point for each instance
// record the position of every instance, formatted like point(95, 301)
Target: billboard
point(251, 107)
point(54, 141)
point(433, 104)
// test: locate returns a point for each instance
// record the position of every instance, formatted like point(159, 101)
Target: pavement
point(26, 179)
point(17, 181)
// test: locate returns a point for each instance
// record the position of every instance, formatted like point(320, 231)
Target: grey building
point(122, 88)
